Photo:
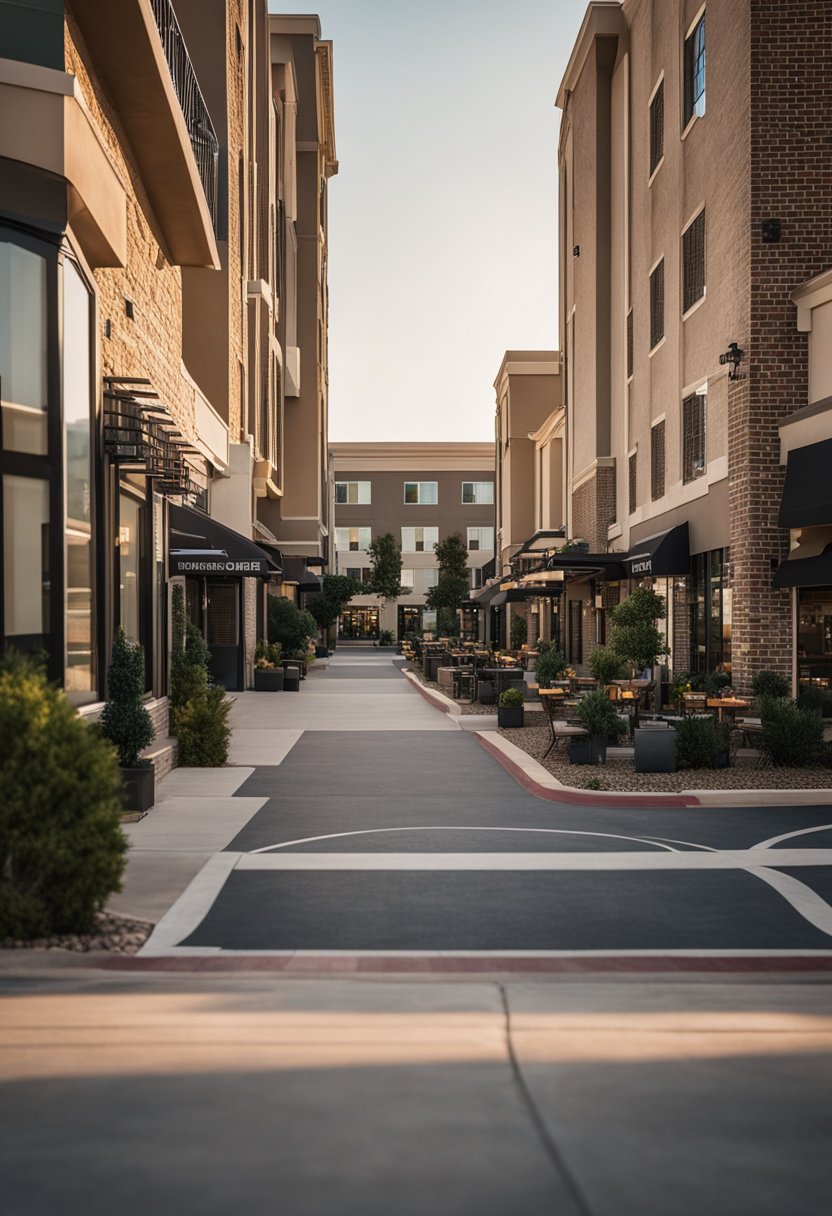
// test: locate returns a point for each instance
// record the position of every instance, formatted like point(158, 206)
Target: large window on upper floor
point(423, 493)
point(694, 70)
point(694, 434)
point(480, 493)
point(419, 540)
point(480, 538)
point(657, 460)
point(354, 540)
point(349, 492)
point(693, 262)
point(657, 304)
point(657, 127)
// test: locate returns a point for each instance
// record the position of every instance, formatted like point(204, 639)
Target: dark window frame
point(658, 458)
point(694, 56)
point(632, 477)
point(630, 348)
point(694, 436)
point(657, 127)
point(694, 264)
point(657, 304)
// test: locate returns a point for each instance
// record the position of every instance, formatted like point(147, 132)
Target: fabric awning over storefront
point(807, 493)
point(296, 570)
point(487, 595)
point(662, 555)
point(608, 566)
point(805, 571)
point(199, 545)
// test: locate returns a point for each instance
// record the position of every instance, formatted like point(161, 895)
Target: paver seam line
point(544, 1135)
point(538, 781)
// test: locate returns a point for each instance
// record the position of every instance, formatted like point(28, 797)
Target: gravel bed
point(618, 774)
point(115, 934)
point(462, 707)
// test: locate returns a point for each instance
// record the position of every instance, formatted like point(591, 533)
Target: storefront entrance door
point(223, 633)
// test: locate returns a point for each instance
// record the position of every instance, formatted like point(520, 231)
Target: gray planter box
point(268, 679)
point(588, 750)
point(139, 787)
point(655, 750)
point(510, 715)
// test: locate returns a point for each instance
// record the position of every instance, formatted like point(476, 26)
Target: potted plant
point(268, 667)
point(601, 722)
point(510, 710)
point(127, 724)
point(385, 637)
point(605, 665)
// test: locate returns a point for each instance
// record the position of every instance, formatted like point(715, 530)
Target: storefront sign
point(217, 565)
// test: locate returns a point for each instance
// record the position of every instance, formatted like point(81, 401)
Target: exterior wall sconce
point(733, 357)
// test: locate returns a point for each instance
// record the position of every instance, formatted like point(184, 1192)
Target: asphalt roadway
point(317, 1090)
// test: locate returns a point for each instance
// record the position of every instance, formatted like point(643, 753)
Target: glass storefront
point(359, 624)
point(24, 347)
point(26, 563)
point(409, 620)
point(814, 636)
point(710, 612)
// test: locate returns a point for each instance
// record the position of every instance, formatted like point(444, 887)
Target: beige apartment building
point(691, 210)
point(146, 304)
point(529, 471)
point(421, 493)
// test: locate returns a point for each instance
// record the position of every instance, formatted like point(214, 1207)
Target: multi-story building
point(692, 206)
point(529, 466)
point(142, 290)
point(421, 493)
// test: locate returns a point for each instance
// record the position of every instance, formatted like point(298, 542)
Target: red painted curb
point(489, 964)
point(579, 797)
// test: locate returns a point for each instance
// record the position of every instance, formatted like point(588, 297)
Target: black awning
point(608, 566)
point(487, 595)
point(805, 571)
point(199, 545)
point(807, 494)
point(295, 570)
point(664, 554)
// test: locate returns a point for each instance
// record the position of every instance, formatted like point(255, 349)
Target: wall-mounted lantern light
point(733, 357)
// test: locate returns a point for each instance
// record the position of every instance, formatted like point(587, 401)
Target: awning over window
point(807, 494)
point(199, 545)
point(805, 571)
point(607, 566)
point(662, 555)
point(296, 570)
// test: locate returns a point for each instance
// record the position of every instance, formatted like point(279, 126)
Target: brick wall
point(593, 508)
point(791, 116)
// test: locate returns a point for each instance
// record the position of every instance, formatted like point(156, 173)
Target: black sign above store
point(660, 556)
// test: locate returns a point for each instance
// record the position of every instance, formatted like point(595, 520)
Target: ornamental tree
point(635, 636)
point(385, 579)
point(335, 594)
point(452, 585)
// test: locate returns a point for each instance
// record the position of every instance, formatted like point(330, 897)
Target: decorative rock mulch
point(115, 934)
point(463, 707)
point(618, 774)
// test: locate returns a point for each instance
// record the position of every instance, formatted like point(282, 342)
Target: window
point(657, 461)
point(693, 262)
point(657, 128)
point(431, 578)
point(361, 574)
point(352, 492)
point(629, 344)
point(352, 539)
point(23, 348)
point(419, 540)
point(657, 305)
point(480, 538)
point(131, 519)
point(476, 577)
point(633, 486)
point(694, 415)
point(26, 576)
point(479, 492)
point(694, 101)
point(421, 492)
point(408, 579)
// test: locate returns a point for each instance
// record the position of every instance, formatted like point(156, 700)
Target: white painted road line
point(768, 844)
point(734, 859)
point(287, 844)
point(191, 907)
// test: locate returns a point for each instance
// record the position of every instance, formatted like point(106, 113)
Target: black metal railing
point(141, 436)
point(206, 147)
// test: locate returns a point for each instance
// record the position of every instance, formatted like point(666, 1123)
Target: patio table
point(729, 705)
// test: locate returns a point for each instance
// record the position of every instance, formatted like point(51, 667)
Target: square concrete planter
point(588, 750)
point(268, 679)
point(510, 715)
point(139, 787)
point(655, 750)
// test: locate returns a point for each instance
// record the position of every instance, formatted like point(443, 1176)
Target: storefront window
point(26, 567)
point(710, 608)
point(129, 565)
point(80, 676)
point(814, 636)
point(23, 348)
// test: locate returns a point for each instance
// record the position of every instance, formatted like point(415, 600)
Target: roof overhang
point(603, 19)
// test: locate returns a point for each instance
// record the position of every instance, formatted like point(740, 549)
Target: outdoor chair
point(695, 704)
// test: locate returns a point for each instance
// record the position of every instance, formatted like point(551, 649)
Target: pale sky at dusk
point(443, 217)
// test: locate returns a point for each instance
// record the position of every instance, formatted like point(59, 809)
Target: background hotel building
point(421, 493)
point(693, 203)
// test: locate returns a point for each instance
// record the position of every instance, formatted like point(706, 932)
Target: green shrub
point(512, 698)
point(817, 699)
point(598, 717)
point(125, 721)
point(635, 637)
point(716, 681)
point(289, 625)
point(268, 655)
point(792, 737)
point(203, 733)
point(189, 661)
point(605, 664)
point(548, 665)
point(61, 845)
point(385, 637)
point(770, 684)
point(700, 743)
point(519, 632)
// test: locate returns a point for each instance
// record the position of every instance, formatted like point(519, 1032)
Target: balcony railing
point(203, 137)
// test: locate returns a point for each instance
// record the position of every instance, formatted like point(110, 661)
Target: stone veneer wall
point(791, 116)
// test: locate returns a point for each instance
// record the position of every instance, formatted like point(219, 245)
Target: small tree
point(335, 594)
point(62, 850)
point(189, 659)
point(605, 665)
point(635, 638)
point(124, 720)
point(452, 585)
point(385, 579)
point(290, 625)
point(519, 632)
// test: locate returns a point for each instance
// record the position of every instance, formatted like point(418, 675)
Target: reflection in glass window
point(26, 561)
point(478, 492)
point(480, 538)
point(419, 540)
point(129, 565)
point(23, 349)
point(77, 389)
point(421, 492)
point(352, 539)
point(351, 492)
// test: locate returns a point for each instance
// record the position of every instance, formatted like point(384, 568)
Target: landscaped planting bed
point(618, 774)
point(115, 934)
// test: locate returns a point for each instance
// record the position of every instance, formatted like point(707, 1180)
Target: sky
point(443, 215)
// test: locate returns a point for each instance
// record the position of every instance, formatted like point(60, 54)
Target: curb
point(437, 699)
